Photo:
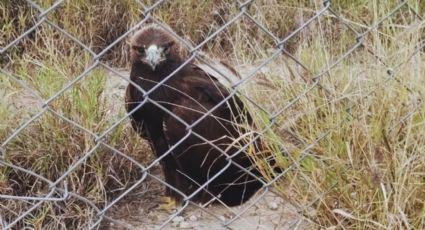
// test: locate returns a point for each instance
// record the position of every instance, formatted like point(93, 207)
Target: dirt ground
point(139, 210)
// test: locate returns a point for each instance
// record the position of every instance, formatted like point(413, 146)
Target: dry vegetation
point(367, 172)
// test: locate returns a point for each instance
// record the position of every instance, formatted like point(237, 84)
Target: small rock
point(184, 224)
point(222, 218)
point(193, 218)
point(178, 219)
point(273, 205)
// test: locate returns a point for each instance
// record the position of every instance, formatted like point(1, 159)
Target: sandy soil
point(139, 210)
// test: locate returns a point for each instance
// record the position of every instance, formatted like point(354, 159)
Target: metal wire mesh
point(59, 190)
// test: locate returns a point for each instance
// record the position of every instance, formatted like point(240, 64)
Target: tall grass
point(366, 171)
point(354, 144)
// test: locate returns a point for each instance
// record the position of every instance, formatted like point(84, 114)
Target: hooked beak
point(153, 56)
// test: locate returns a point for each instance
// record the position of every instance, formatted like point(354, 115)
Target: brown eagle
point(189, 94)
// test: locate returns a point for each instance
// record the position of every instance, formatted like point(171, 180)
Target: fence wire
point(59, 190)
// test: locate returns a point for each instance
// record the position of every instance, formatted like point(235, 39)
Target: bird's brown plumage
point(188, 95)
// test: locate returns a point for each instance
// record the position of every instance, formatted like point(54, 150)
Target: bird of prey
point(198, 141)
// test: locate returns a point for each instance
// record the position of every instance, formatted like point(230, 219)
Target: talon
point(168, 203)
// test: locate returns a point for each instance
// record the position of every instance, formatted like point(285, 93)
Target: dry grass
point(367, 172)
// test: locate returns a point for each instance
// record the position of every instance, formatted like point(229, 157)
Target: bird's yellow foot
point(167, 203)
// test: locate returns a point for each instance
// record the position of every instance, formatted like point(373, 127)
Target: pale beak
point(153, 56)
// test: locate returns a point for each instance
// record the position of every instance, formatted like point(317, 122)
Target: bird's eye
point(140, 49)
point(167, 47)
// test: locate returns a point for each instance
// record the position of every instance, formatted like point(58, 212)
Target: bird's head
point(152, 47)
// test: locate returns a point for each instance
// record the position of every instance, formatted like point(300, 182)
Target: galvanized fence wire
point(58, 189)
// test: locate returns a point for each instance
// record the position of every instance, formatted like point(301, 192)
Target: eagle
point(202, 148)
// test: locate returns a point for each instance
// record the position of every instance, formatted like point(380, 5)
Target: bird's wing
point(223, 72)
point(207, 84)
point(130, 105)
point(211, 87)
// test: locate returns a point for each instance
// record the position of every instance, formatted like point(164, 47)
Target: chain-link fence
point(295, 96)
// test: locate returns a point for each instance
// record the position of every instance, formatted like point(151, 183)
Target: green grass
point(366, 173)
point(50, 145)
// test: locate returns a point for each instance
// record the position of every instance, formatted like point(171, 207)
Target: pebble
point(184, 224)
point(193, 218)
point(273, 205)
point(222, 218)
point(178, 219)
